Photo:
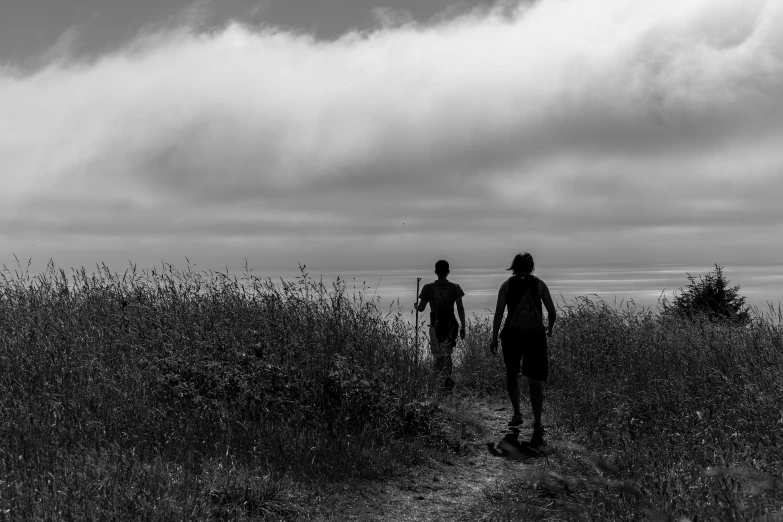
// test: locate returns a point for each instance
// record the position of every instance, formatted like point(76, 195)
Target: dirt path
point(471, 486)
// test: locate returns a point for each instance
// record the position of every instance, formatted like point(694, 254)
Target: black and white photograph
point(391, 260)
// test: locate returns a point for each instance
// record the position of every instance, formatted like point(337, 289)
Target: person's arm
point(543, 291)
point(461, 312)
point(499, 309)
point(422, 303)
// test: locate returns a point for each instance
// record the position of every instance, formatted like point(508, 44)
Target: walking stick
point(418, 279)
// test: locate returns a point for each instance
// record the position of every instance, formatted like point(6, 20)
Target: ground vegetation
point(181, 395)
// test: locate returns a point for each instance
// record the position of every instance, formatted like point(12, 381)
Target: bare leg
point(443, 368)
point(512, 384)
point(536, 400)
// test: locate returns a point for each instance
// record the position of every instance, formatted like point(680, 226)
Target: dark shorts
point(443, 337)
point(531, 351)
point(442, 343)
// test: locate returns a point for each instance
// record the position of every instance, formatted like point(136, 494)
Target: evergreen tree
point(710, 296)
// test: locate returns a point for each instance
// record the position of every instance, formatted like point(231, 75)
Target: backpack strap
point(533, 284)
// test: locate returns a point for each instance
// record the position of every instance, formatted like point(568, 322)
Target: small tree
point(711, 296)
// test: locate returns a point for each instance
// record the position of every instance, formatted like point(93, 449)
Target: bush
point(712, 297)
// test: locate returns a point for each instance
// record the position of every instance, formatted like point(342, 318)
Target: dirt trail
point(463, 487)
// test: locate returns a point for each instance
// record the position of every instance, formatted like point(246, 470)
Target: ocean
point(640, 286)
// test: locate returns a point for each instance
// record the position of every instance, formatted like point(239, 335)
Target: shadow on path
point(512, 448)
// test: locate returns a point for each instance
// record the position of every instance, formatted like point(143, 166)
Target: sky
point(344, 134)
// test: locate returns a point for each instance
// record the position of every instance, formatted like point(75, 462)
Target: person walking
point(442, 295)
point(524, 337)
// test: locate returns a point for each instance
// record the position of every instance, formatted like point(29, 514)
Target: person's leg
point(512, 385)
point(536, 368)
point(512, 356)
point(437, 351)
point(450, 343)
point(536, 400)
point(447, 341)
point(439, 364)
point(448, 366)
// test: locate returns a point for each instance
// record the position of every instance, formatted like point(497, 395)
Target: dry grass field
point(182, 395)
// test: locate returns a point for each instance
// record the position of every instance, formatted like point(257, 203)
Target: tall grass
point(685, 416)
point(184, 395)
point(175, 394)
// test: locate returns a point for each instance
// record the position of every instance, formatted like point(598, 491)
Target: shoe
point(538, 437)
point(516, 421)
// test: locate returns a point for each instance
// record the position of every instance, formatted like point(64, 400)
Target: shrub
point(711, 296)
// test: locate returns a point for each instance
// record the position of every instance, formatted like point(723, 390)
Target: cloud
point(585, 129)
point(259, 7)
point(65, 47)
point(389, 18)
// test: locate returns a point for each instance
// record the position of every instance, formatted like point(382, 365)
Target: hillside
point(177, 395)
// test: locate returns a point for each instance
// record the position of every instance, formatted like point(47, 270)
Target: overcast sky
point(302, 131)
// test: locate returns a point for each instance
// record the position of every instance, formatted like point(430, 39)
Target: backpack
point(526, 318)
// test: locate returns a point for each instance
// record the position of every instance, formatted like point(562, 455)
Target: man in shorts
point(442, 295)
point(529, 348)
